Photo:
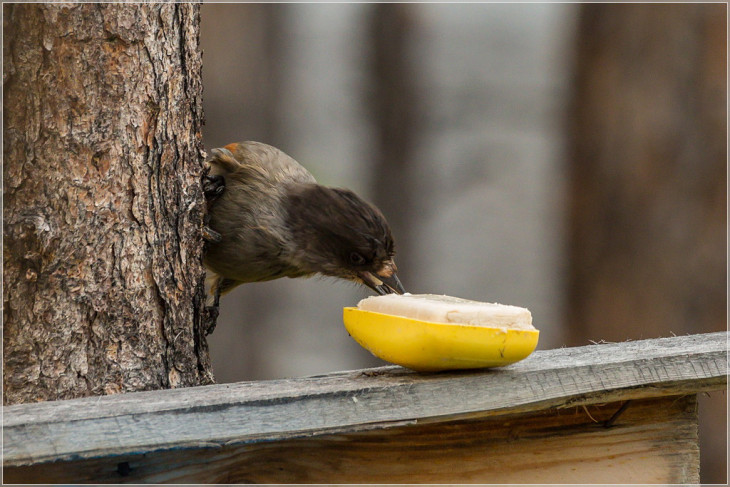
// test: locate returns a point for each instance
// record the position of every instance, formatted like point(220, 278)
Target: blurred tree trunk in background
point(103, 280)
point(394, 108)
point(647, 222)
point(648, 206)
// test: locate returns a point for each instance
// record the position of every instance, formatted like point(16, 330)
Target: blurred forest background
point(566, 158)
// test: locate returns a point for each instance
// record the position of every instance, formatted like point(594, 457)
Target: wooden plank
point(652, 441)
point(225, 414)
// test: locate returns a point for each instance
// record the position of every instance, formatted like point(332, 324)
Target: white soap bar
point(448, 309)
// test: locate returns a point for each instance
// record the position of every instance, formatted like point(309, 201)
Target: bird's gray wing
point(278, 165)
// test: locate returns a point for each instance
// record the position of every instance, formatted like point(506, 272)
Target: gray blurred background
point(567, 158)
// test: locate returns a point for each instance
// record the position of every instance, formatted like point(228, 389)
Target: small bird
point(268, 218)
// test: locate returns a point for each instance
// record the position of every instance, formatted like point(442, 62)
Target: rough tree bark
point(103, 281)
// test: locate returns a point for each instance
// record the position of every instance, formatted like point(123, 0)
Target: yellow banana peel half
point(428, 346)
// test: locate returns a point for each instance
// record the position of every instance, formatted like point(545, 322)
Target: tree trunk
point(648, 197)
point(103, 208)
point(648, 191)
point(393, 108)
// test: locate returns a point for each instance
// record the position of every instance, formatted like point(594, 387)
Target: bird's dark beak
point(384, 281)
point(382, 284)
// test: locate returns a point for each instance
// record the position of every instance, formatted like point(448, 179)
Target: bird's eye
point(356, 259)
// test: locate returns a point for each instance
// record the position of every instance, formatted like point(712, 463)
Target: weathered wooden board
point(255, 412)
point(652, 441)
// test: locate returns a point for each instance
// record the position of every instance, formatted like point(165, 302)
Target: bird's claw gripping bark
point(211, 312)
point(211, 319)
point(213, 187)
point(210, 235)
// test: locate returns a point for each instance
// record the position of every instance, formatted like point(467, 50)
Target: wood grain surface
point(653, 441)
point(265, 413)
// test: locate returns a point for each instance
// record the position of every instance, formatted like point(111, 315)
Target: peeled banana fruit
point(428, 332)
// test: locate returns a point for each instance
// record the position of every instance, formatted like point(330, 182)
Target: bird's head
point(337, 233)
